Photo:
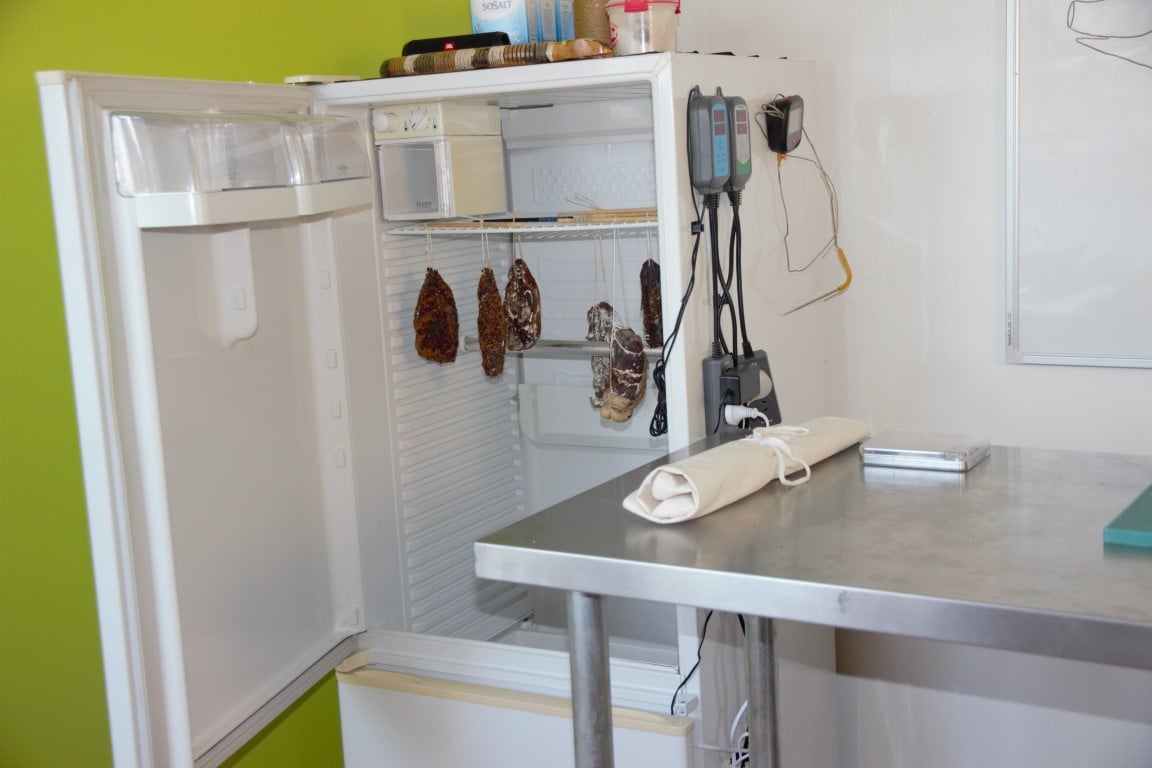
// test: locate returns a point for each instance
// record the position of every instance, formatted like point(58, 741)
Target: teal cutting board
point(1133, 526)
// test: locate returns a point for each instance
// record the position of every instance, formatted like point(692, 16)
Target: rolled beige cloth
point(708, 481)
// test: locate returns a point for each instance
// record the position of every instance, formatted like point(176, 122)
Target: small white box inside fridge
point(442, 177)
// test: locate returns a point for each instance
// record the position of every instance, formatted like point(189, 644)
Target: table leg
point(591, 684)
point(763, 719)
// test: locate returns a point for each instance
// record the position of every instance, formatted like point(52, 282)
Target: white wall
point(918, 88)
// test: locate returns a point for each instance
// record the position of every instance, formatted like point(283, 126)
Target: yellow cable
point(835, 291)
point(847, 271)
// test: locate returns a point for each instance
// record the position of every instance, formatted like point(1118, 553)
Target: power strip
point(728, 382)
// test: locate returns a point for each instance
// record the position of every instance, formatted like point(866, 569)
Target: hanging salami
point(491, 324)
point(522, 307)
point(650, 304)
point(600, 329)
point(436, 322)
point(628, 378)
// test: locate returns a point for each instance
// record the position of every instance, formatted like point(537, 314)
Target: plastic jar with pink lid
point(642, 26)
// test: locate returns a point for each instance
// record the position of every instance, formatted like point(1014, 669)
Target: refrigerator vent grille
point(455, 436)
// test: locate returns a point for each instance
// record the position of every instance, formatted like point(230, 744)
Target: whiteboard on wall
point(1080, 182)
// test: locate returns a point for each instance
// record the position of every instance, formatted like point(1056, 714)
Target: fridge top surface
point(563, 82)
point(556, 76)
point(535, 77)
point(516, 87)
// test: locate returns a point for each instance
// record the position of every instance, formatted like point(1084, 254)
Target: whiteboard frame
point(1013, 351)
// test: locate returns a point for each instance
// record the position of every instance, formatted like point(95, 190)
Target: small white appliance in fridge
point(278, 484)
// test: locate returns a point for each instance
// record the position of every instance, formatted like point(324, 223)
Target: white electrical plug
point(734, 414)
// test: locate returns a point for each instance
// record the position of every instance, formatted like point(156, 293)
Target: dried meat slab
point(491, 324)
point(522, 307)
point(436, 321)
point(629, 376)
point(599, 329)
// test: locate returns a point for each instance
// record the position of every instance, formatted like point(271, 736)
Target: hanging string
point(485, 261)
point(603, 290)
point(579, 198)
point(600, 268)
point(618, 281)
point(428, 250)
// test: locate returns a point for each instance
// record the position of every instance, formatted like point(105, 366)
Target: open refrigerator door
point(197, 225)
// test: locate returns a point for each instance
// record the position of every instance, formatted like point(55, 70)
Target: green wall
point(52, 709)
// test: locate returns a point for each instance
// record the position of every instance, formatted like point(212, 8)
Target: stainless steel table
point(1008, 556)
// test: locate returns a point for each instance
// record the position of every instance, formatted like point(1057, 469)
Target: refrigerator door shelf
point(190, 209)
point(207, 168)
point(158, 152)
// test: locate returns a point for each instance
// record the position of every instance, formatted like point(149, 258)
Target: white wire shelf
point(551, 230)
point(558, 348)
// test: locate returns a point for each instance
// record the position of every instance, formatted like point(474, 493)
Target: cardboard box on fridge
point(525, 21)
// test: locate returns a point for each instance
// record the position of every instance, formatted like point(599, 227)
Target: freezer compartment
point(393, 719)
point(411, 700)
point(587, 154)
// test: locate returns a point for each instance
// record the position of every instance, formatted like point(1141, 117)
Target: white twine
point(777, 439)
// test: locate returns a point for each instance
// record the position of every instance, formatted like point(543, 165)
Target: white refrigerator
point(279, 485)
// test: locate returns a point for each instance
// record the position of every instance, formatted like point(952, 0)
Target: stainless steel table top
point(1009, 555)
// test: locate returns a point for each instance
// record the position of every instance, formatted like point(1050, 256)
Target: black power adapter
point(784, 123)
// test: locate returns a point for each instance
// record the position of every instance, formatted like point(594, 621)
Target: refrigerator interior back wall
point(576, 156)
point(456, 468)
point(472, 453)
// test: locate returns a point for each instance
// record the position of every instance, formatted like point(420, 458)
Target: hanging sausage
point(650, 305)
point(491, 324)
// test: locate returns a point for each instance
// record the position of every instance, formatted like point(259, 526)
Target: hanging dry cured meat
point(629, 376)
point(491, 324)
point(650, 304)
point(522, 307)
point(600, 329)
point(436, 322)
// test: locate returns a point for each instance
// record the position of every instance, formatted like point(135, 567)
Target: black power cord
point(659, 424)
point(736, 252)
point(687, 677)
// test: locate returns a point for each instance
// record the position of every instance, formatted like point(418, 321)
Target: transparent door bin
point(175, 164)
point(331, 149)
